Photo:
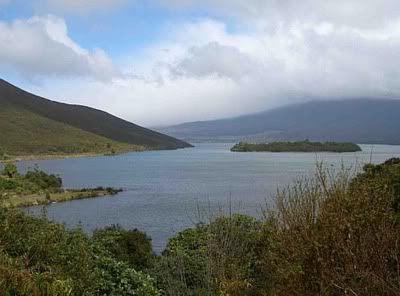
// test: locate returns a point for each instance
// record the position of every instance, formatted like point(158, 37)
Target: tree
point(44, 180)
point(10, 170)
point(130, 246)
point(220, 258)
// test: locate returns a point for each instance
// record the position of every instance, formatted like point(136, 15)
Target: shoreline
point(31, 157)
point(55, 156)
point(29, 200)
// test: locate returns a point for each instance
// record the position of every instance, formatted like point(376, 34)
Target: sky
point(163, 62)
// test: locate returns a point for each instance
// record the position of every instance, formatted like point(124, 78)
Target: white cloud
point(41, 47)
point(78, 6)
point(354, 13)
point(202, 71)
point(214, 59)
point(279, 52)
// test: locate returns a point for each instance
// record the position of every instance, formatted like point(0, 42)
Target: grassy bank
point(303, 146)
point(12, 199)
point(112, 151)
point(27, 157)
point(38, 188)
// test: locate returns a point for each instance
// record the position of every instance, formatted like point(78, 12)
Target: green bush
point(16, 279)
point(38, 257)
point(130, 246)
point(336, 236)
point(8, 184)
point(44, 180)
point(381, 176)
point(221, 258)
point(33, 181)
point(10, 170)
point(117, 278)
point(182, 269)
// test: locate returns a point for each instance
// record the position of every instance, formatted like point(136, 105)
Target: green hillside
point(24, 133)
point(31, 125)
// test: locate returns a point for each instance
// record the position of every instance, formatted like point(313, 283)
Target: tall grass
point(335, 238)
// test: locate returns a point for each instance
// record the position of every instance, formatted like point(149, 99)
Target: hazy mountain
point(358, 120)
point(31, 124)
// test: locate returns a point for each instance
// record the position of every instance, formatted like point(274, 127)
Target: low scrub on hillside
point(333, 234)
point(30, 135)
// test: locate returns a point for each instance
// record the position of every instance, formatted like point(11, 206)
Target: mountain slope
point(31, 124)
point(358, 120)
point(25, 133)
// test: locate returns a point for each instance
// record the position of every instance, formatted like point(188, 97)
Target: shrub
point(216, 259)
point(182, 269)
point(10, 170)
point(8, 184)
point(16, 279)
point(378, 177)
point(38, 257)
point(44, 180)
point(32, 182)
point(334, 238)
point(117, 278)
point(130, 246)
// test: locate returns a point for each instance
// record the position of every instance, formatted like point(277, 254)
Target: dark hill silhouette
point(375, 121)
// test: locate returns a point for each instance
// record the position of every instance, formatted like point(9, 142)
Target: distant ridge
point(373, 121)
point(26, 118)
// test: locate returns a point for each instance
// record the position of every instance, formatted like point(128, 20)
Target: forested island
point(38, 188)
point(301, 146)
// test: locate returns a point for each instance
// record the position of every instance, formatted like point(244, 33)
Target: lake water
point(166, 191)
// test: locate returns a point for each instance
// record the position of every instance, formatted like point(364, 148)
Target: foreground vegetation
point(42, 258)
point(37, 187)
point(303, 146)
point(333, 234)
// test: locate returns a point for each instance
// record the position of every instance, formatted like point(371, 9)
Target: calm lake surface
point(166, 191)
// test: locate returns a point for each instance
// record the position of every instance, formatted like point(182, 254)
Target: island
point(36, 187)
point(301, 146)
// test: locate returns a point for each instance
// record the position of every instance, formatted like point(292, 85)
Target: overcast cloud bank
point(277, 52)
